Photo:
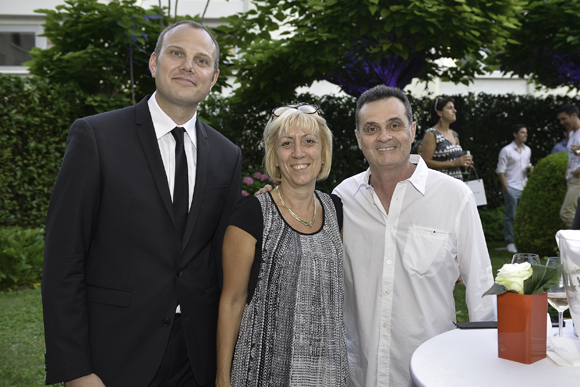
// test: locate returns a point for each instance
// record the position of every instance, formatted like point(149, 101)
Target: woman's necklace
point(309, 224)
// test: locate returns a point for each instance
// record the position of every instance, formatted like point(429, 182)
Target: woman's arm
point(429, 145)
point(238, 255)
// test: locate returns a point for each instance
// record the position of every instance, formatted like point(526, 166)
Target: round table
point(468, 357)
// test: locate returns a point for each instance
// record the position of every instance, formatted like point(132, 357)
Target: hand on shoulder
point(264, 189)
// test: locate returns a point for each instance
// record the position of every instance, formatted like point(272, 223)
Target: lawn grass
point(21, 339)
point(498, 255)
point(22, 334)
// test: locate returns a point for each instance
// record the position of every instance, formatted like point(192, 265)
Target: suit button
point(179, 272)
point(166, 322)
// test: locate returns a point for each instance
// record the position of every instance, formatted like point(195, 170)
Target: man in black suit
point(131, 280)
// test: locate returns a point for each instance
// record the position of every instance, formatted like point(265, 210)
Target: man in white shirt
point(568, 117)
point(409, 232)
point(512, 170)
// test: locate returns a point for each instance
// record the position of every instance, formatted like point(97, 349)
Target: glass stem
point(560, 319)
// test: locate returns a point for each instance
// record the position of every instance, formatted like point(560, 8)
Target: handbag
point(477, 188)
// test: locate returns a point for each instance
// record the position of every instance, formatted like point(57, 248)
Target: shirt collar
point(418, 179)
point(515, 146)
point(163, 124)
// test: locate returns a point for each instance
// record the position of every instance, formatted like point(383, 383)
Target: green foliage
point(253, 180)
point(532, 285)
point(540, 277)
point(97, 46)
point(104, 49)
point(537, 216)
point(36, 116)
point(21, 255)
point(492, 221)
point(549, 40)
point(317, 35)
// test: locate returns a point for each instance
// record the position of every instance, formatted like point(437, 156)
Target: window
point(16, 40)
point(14, 47)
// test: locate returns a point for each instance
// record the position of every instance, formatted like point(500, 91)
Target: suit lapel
point(150, 145)
point(200, 180)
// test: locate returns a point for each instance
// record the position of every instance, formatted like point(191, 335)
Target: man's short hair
point(192, 24)
point(516, 128)
point(380, 92)
point(569, 109)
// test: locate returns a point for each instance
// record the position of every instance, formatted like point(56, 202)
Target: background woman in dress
point(282, 299)
point(441, 148)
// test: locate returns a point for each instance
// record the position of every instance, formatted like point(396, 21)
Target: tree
point(547, 45)
point(104, 49)
point(357, 45)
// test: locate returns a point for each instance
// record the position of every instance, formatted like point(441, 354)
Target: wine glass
point(557, 293)
point(533, 259)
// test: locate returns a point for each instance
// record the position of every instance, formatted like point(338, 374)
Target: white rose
point(512, 276)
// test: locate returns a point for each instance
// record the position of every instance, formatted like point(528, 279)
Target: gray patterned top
point(292, 329)
point(446, 151)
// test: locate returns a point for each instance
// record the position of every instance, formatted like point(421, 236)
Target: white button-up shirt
point(513, 163)
point(163, 125)
point(401, 268)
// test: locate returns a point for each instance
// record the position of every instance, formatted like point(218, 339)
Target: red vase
point(521, 327)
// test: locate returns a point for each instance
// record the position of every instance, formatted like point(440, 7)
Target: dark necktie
point(181, 186)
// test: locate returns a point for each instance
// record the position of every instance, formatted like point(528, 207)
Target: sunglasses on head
point(303, 107)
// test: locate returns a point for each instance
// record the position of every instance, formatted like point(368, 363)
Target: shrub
point(253, 180)
point(538, 213)
point(21, 256)
point(492, 221)
point(36, 116)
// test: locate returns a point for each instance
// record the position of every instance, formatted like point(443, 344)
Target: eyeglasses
point(303, 107)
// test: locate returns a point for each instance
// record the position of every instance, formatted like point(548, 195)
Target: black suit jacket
point(115, 267)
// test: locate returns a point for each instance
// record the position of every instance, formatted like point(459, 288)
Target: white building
point(20, 30)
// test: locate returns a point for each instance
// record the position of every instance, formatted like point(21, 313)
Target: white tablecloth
point(468, 357)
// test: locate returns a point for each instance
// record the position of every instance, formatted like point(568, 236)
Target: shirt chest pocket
point(426, 251)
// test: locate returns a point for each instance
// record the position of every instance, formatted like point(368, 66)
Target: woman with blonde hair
point(280, 318)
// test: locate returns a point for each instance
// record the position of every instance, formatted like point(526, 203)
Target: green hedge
point(484, 127)
point(37, 116)
point(538, 214)
point(21, 255)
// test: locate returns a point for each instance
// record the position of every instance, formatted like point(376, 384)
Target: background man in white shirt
point(568, 117)
point(512, 170)
point(409, 231)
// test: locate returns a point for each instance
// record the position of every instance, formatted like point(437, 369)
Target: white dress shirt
point(573, 160)
point(400, 269)
point(163, 125)
point(513, 163)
